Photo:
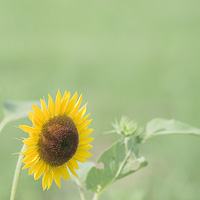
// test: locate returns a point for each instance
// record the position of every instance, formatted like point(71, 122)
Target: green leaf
point(160, 126)
point(14, 110)
point(118, 162)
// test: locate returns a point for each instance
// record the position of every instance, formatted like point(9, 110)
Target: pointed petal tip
point(77, 176)
point(44, 188)
point(22, 126)
point(24, 167)
point(58, 93)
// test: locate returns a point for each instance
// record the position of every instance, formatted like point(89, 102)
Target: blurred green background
point(134, 58)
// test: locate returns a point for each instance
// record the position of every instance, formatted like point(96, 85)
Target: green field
point(134, 58)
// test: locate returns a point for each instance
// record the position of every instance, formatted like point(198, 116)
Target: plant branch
point(80, 189)
point(16, 175)
point(96, 196)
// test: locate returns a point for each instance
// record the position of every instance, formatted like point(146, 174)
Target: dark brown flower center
point(58, 141)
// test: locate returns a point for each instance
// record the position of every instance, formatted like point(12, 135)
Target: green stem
point(96, 196)
point(80, 189)
point(17, 173)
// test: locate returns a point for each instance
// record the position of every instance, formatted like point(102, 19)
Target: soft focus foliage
point(118, 162)
point(14, 110)
point(166, 127)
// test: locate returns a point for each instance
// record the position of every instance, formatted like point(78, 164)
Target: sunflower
point(57, 139)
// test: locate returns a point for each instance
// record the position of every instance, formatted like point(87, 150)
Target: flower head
point(57, 139)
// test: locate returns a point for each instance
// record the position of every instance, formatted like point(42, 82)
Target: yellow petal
point(35, 167)
point(44, 109)
point(83, 141)
point(65, 96)
point(58, 103)
point(30, 142)
point(29, 164)
point(76, 107)
point(50, 180)
point(31, 115)
point(79, 114)
point(65, 100)
point(70, 166)
point(71, 104)
point(34, 120)
point(84, 111)
point(39, 114)
point(79, 158)
point(48, 168)
point(85, 147)
point(56, 175)
point(64, 172)
point(84, 125)
point(73, 163)
point(40, 170)
point(51, 107)
point(83, 120)
point(29, 150)
point(34, 136)
point(83, 153)
point(29, 129)
point(85, 132)
point(30, 157)
point(45, 180)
